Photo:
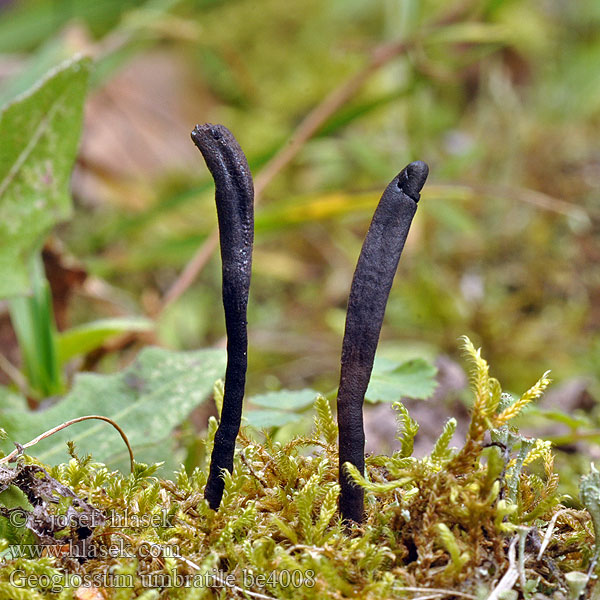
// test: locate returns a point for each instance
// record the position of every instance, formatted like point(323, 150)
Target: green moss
point(458, 519)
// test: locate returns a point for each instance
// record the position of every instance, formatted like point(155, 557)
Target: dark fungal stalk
point(369, 293)
point(234, 197)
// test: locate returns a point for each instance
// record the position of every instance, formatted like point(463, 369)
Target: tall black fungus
point(369, 293)
point(235, 210)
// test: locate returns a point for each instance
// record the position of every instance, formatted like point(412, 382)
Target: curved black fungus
point(234, 197)
point(369, 293)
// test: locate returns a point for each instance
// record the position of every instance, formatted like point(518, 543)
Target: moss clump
point(472, 520)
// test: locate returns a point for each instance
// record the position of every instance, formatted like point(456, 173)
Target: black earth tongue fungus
point(369, 293)
point(235, 210)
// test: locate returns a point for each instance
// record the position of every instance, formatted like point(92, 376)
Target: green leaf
point(14, 535)
point(391, 381)
point(265, 418)
point(10, 400)
point(32, 318)
point(286, 399)
point(279, 408)
point(40, 135)
point(84, 338)
point(51, 53)
point(148, 400)
point(13, 497)
point(164, 451)
point(14, 530)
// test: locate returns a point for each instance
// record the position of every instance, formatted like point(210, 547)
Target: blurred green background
point(500, 97)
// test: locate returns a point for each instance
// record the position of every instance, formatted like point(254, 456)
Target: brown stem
point(46, 434)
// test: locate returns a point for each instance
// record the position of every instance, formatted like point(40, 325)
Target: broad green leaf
point(285, 399)
point(84, 338)
point(165, 451)
point(10, 400)
point(148, 400)
point(279, 408)
point(40, 135)
point(391, 381)
point(47, 56)
point(265, 418)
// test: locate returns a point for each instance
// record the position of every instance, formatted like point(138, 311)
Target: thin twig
point(190, 271)
point(512, 573)
point(15, 375)
point(589, 575)
point(309, 126)
point(523, 531)
point(252, 472)
point(538, 199)
point(46, 434)
point(521, 194)
point(548, 534)
point(436, 591)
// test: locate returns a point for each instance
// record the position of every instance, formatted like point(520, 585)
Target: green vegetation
point(442, 521)
point(107, 226)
